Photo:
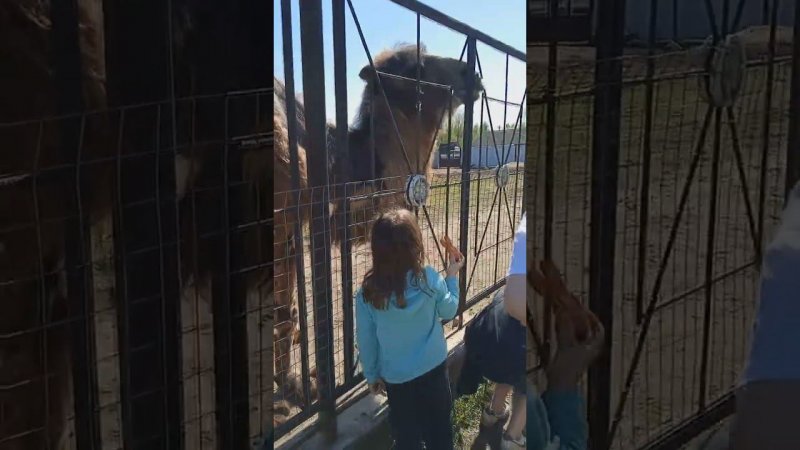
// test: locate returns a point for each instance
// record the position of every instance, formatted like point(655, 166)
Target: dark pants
point(420, 411)
point(495, 348)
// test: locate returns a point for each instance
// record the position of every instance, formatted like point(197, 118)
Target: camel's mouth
point(469, 97)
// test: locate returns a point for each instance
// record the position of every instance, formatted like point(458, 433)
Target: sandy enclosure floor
point(666, 386)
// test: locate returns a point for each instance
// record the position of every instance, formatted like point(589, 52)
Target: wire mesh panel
point(335, 178)
point(661, 226)
point(134, 265)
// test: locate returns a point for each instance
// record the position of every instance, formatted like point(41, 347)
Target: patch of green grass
point(467, 414)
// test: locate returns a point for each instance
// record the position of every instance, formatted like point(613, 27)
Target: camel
point(392, 165)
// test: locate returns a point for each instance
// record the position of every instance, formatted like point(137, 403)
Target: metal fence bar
point(460, 27)
point(793, 147)
point(317, 151)
point(680, 435)
point(67, 65)
point(239, 390)
point(550, 99)
point(228, 292)
point(605, 158)
point(766, 138)
point(709, 266)
point(644, 193)
point(340, 86)
point(291, 124)
point(171, 283)
point(466, 167)
point(142, 300)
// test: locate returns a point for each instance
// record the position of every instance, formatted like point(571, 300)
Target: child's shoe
point(490, 418)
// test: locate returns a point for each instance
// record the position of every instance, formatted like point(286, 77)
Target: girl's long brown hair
point(396, 242)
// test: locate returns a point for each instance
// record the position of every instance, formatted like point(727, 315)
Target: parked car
point(449, 155)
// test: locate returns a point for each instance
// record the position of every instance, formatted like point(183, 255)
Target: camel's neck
point(401, 146)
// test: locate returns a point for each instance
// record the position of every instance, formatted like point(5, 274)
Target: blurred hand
point(455, 263)
point(573, 357)
point(378, 387)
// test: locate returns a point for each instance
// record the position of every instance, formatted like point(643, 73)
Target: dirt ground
point(666, 385)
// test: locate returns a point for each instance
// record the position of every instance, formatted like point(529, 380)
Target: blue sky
point(385, 24)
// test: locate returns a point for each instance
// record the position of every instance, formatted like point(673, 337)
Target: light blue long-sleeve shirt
point(398, 345)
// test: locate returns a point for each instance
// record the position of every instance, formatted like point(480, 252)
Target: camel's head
point(403, 61)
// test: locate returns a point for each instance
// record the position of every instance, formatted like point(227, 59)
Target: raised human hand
point(569, 311)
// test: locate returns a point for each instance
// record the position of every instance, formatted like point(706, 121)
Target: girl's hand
point(377, 387)
point(455, 264)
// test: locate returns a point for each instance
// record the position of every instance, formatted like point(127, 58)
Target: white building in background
point(493, 149)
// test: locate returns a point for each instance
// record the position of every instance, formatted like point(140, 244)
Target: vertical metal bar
point(317, 151)
point(418, 92)
point(793, 147)
point(644, 187)
point(765, 133)
point(549, 172)
point(709, 269)
point(221, 290)
point(67, 63)
point(605, 156)
point(502, 160)
point(480, 160)
point(466, 167)
point(229, 302)
point(291, 122)
point(143, 308)
point(172, 356)
point(711, 237)
point(340, 86)
point(121, 280)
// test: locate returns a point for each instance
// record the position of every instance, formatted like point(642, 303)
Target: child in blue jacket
point(399, 311)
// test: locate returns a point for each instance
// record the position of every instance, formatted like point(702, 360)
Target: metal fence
point(336, 177)
point(134, 167)
point(656, 191)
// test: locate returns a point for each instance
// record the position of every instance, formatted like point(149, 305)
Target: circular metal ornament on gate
point(725, 64)
point(417, 190)
point(501, 176)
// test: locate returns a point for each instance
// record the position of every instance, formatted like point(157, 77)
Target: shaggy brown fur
point(31, 193)
point(417, 131)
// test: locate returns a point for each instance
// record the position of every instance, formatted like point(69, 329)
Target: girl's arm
point(446, 294)
point(367, 340)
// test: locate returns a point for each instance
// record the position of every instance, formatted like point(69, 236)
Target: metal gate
point(685, 179)
point(321, 228)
